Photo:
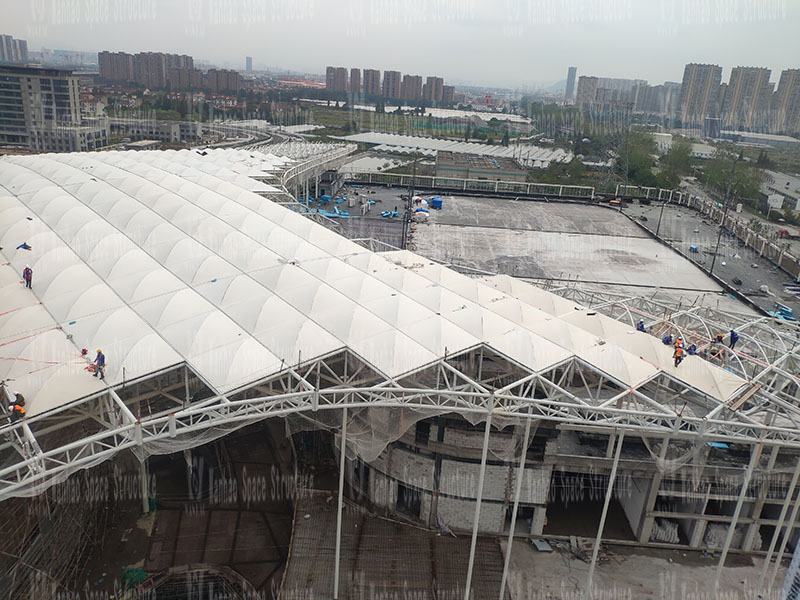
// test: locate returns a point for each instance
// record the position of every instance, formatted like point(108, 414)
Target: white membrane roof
point(161, 258)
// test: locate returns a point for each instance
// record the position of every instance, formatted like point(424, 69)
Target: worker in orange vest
point(17, 410)
point(678, 355)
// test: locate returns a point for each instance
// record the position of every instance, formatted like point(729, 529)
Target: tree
point(675, 163)
point(764, 161)
point(636, 158)
point(575, 169)
point(729, 175)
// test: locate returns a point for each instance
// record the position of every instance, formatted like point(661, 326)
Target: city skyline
point(601, 39)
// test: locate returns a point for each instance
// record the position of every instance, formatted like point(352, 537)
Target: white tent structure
point(217, 307)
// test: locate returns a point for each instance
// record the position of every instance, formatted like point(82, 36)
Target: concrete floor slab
point(191, 538)
point(631, 573)
point(221, 532)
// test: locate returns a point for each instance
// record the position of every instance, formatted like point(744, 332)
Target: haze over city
point(383, 299)
point(509, 43)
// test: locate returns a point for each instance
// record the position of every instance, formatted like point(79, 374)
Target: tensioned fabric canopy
point(161, 258)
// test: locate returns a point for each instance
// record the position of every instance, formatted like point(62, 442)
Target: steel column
point(779, 526)
point(587, 593)
point(517, 491)
point(474, 542)
point(754, 456)
point(342, 450)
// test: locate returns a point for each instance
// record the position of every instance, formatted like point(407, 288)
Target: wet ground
point(683, 227)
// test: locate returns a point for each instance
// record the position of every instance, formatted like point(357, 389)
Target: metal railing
point(520, 188)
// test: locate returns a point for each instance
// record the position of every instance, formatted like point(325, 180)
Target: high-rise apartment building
point(699, 93)
point(355, 81)
point(432, 91)
point(115, 66)
point(372, 82)
point(248, 64)
point(13, 50)
point(336, 79)
point(787, 102)
point(411, 88)
point(41, 112)
point(223, 80)
point(571, 72)
point(448, 94)
point(391, 84)
point(185, 78)
point(587, 91)
point(150, 69)
point(747, 100)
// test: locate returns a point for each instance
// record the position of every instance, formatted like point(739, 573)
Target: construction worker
point(717, 339)
point(100, 364)
point(17, 410)
point(679, 342)
point(692, 349)
point(667, 340)
point(640, 325)
point(734, 338)
point(27, 275)
point(678, 355)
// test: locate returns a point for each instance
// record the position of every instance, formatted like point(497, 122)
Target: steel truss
point(176, 409)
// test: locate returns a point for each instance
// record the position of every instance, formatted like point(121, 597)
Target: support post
point(145, 488)
point(517, 491)
point(342, 449)
point(782, 545)
point(587, 593)
point(778, 527)
point(754, 456)
point(474, 542)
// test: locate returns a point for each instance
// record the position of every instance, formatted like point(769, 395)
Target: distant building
point(571, 72)
point(42, 112)
point(587, 91)
point(115, 66)
point(372, 82)
point(143, 145)
point(391, 84)
point(448, 94)
point(699, 93)
point(712, 127)
point(749, 138)
point(656, 99)
point(787, 102)
point(355, 81)
point(336, 79)
point(150, 69)
point(473, 166)
point(223, 80)
point(185, 78)
point(248, 64)
point(13, 50)
point(432, 90)
point(411, 88)
point(746, 104)
point(169, 132)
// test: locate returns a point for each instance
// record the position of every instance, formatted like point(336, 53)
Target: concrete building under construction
point(457, 401)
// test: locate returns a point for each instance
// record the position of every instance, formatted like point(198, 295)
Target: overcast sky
point(512, 43)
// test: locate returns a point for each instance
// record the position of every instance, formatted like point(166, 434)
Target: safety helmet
point(99, 351)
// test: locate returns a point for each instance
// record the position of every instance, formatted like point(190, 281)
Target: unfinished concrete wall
point(633, 498)
point(460, 514)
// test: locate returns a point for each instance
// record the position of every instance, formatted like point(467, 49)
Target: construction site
point(487, 409)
